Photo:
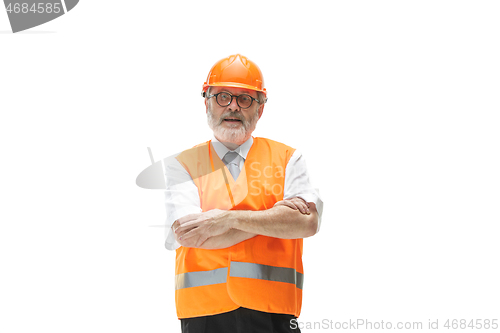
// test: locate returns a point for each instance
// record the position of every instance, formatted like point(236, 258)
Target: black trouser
point(241, 320)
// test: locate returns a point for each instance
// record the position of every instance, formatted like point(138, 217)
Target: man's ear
point(261, 110)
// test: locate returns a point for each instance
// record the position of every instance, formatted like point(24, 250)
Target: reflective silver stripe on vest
point(265, 272)
point(202, 278)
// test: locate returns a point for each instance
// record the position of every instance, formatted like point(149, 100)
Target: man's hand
point(194, 229)
point(295, 203)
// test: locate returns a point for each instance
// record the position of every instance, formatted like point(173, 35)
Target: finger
point(190, 233)
point(300, 199)
point(294, 204)
point(289, 203)
point(188, 225)
point(181, 232)
point(298, 204)
point(301, 207)
point(306, 206)
point(302, 204)
point(175, 225)
point(305, 209)
point(188, 218)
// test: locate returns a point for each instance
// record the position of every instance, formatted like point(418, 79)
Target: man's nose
point(234, 105)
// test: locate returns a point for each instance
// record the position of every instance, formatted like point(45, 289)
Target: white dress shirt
point(181, 195)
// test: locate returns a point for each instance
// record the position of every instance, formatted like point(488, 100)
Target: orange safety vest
point(262, 273)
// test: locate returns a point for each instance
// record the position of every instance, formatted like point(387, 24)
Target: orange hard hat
point(235, 71)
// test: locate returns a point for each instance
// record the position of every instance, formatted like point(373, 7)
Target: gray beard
point(234, 135)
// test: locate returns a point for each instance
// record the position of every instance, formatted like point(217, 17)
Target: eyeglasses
point(244, 101)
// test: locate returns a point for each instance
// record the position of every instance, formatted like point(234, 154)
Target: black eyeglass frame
point(233, 96)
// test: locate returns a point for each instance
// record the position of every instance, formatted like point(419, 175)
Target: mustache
point(231, 115)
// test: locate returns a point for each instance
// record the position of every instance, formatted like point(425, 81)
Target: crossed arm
point(217, 229)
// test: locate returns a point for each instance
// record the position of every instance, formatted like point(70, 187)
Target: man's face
point(232, 123)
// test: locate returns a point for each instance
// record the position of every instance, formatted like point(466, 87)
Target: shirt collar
point(242, 150)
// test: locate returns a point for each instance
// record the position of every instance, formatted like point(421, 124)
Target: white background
point(395, 105)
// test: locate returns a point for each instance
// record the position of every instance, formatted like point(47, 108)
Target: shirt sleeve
point(181, 198)
point(298, 183)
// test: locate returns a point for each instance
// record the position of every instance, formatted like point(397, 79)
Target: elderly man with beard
point(238, 208)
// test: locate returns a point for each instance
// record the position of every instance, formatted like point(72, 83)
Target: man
point(238, 208)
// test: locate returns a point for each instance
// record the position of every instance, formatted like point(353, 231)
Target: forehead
point(233, 91)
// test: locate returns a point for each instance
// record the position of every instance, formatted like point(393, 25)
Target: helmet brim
point(233, 85)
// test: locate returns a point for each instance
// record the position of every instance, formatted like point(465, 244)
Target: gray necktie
point(231, 161)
